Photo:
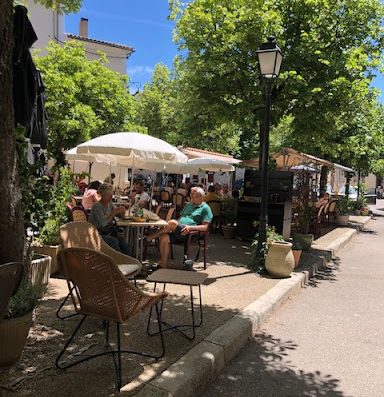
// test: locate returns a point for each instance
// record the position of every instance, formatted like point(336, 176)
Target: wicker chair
point(79, 214)
point(179, 202)
point(215, 224)
point(85, 235)
point(10, 277)
point(99, 290)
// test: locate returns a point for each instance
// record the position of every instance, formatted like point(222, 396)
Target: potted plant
point(15, 326)
point(228, 217)
point(297, 250)
point(360, 204)
point(48, 240)
point(344, 208)
point(276, 257)
point(304, 210)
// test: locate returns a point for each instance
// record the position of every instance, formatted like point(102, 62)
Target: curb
point(205, 360)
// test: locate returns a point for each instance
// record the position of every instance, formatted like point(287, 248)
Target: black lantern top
point(270, 58)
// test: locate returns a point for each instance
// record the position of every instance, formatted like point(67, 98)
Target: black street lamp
point(270, 57)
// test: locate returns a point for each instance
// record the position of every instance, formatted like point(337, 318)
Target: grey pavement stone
point(232, 336)
point(187, 375)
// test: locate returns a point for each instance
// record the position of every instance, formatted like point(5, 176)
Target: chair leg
point(58, 315)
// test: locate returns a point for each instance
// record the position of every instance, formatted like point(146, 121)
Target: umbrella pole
point(90, 164)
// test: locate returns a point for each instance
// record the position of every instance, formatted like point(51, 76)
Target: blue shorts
point(176, 236)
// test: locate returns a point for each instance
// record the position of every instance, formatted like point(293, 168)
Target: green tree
point(331, 51)
point(85, 99)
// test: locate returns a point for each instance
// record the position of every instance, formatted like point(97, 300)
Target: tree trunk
point(11, 222)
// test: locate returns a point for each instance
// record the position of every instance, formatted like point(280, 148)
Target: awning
point(193, 153)
point(288, 157)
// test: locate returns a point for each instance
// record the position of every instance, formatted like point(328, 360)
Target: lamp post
point(270, 57)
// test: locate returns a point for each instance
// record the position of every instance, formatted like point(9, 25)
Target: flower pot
point(342, 220)
point(228, 231)
point(305, 240)
point(365, 211)
point(13, 335)
point(40, 270)
point(279, 261)
point(50, 250)
point(357, 212)
point(297, 256)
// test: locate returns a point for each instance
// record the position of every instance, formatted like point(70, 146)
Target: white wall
point(48, 25)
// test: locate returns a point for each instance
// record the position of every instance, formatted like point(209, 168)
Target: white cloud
point(139, 69)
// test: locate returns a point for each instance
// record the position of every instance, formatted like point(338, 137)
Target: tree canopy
point(331, 51)
point(85, 99)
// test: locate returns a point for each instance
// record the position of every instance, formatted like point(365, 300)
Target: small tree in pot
point(228, 217)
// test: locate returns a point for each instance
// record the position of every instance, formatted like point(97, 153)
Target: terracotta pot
point(280, 261)
point(342, 220)
point(40, 271)
point(297, 256)
point(13, 335)
point(365, 211)
point(228, 231)
point(50, 250)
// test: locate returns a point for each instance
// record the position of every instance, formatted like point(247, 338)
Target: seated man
point(102, 217)
point(139, 196)
point(195, 216)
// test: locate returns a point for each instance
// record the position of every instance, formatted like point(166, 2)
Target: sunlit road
point(326, 341)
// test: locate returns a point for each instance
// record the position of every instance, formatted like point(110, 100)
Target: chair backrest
point(101, 289)
point(158, 208)
point(178, 200)
point(80, 234)
point(10, 277)
point(215, 206)
point(165, 196)
point(79, 214)
point(332, 207)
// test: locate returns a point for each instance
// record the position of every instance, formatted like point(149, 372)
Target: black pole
point(263, 218)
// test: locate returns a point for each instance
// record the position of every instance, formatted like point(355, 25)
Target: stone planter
point(342, 220)
point(50, 250)
point(305, 240)
point(13, 335)
point(279, 261)
point(228, 231)
point(297, 256)
point(40, 270)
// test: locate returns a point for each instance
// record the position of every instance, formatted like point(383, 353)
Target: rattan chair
point(10, 277)
point(99, 290)
point(215, 206)
point(85, 235)
point(79, 214)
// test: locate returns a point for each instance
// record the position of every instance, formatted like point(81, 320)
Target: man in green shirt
point(195, 216)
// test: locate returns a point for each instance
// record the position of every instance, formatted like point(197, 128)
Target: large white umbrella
point(134, 150)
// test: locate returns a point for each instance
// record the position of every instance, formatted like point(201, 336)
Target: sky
point(143, 25)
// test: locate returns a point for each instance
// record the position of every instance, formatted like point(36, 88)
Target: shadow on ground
point(262, 369)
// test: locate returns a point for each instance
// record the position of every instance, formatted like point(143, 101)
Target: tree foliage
point(331, 49)
point(85, 99)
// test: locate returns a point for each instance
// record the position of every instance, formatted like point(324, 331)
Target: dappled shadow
point(263, 369)
point(367, 231)
point(327, 273)
point(35, 373)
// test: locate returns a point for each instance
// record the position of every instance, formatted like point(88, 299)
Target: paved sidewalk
point(236, 302)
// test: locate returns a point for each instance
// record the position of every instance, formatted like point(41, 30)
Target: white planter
point(280, 261)
point(40, 270)
point(342, 220)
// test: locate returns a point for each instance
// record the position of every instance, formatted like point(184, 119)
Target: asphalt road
point(325, 341)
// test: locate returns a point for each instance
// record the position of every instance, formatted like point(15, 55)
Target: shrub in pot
point(15, 326)
point(344, 208)
point(228, 217)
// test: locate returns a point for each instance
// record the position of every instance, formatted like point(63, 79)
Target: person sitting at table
point(322, 201)
point(90, 195)
point(110, 178)
point(212, 195)
point(139, 196)
point(183, 189)
point(195, 216)
point(102, 217)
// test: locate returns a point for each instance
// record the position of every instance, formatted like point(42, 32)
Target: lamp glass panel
point(267, 63)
